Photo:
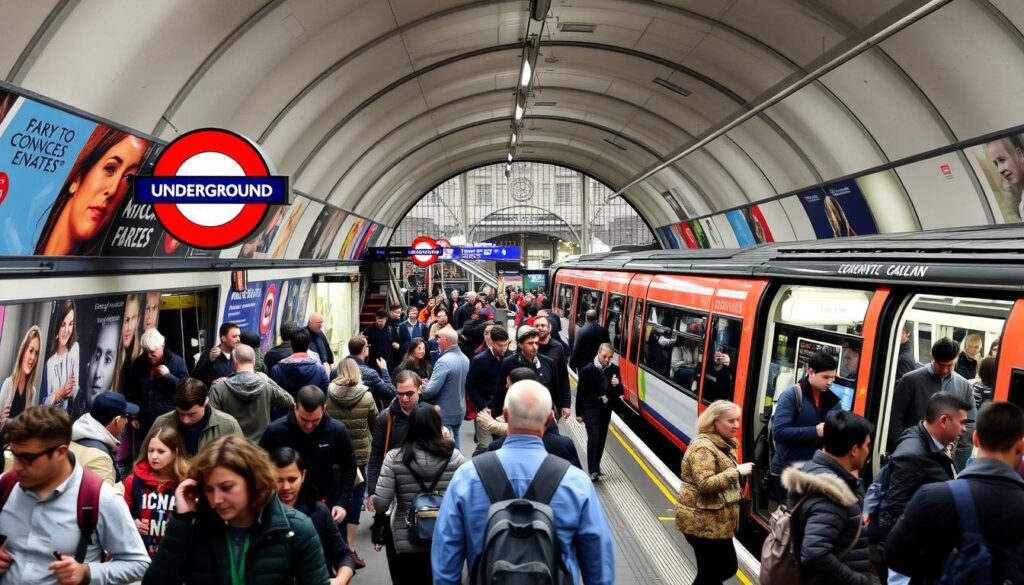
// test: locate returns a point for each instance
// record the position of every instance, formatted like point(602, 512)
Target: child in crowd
point(149, 491)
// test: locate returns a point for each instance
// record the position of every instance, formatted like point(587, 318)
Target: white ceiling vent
point(576, 27)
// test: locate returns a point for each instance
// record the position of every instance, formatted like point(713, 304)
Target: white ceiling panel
point(1013, 10)
point(714, 180)
point(741, 168)
point(744, 68)
point(406, 11)
point(780, 163)
point(15, 33)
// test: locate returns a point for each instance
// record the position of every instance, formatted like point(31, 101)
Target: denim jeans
point(455, 434)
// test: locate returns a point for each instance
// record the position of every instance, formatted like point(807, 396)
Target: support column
point(584, 214)
point(464, 209)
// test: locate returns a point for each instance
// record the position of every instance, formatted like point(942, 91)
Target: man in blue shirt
point(584, 536)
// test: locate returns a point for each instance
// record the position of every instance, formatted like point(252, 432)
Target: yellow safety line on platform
point(666, 518)
point(657, 482)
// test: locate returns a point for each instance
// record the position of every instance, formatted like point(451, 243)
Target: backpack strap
point(493, 477)
point(440, 474)
point(964, 507)
point(416, 476)
point(547, 479)
point(853, 543)
point(387, 434)
point(799, 392)
point(88, 511)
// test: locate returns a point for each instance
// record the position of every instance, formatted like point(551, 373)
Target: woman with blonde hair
point(351, 402)
point(708, 511)
point(19, 389)
point(229, 526)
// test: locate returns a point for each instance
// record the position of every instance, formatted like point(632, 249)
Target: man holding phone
point(38, 520)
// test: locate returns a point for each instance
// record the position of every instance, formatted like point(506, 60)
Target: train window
point(1017, 387)
point(637, 332)
point(564, 300)
point(974, 323)
point(588, 299)
point(673, 343)
point(623, 339)
point(720, 374)
point(613, 321)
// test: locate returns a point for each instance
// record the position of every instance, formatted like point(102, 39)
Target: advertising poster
point(135, 232)
point(687, 235)
point(352, 237)
point(509, 278)
point(699, 235)
point(24, 335)
point(102, 352)
point(711, 231)
point(677, 209)
point(535, 279)
point(839, 210)
point(668, 238)
point(284, 235)
point(1001, 162)
point(258, 246)
point(758, 225)
point(361, 249)
point(741, 228)
point(323, 232)
point(254, 309)
point(297, 300)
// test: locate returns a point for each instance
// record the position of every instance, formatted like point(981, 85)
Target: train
point(691, 327)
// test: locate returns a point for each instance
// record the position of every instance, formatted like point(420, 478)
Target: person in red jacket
point(149, 491)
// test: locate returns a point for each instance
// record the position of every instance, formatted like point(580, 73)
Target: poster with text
point(297, 300)
point(24, 335)
point(839, 210)
point(254, 309)
point(677, 209)
point(740, 227)
point(1001, 162)
point(758, 225)
point(258, 246)
point(323, 232)
point(103, 353)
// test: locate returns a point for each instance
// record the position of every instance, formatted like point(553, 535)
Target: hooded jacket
point(354, 406)
point(248, 396)
point(292, 373)
point(94, 447)
point(828, 521)
point(150, 499)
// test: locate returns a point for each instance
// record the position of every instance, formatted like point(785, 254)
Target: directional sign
point(488, 253)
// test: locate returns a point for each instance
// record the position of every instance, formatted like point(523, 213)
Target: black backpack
point(424, 508)
point(975, 561)
point(521, 542)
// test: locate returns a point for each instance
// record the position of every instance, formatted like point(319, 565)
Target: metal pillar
point(584, 215)
point(464, 223)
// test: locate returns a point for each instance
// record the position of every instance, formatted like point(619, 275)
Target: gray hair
point(451, 335)
point(244, 354)
point(529, 404)
point(152, 340)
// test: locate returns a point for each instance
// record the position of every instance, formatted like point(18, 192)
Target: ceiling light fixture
point(539, 9)
point(576, 27)
point(519, 112)
point(672, 87)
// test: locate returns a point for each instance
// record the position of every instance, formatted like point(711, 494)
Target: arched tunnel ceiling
point(369, 103)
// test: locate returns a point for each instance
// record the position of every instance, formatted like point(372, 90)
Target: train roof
point(990, 257)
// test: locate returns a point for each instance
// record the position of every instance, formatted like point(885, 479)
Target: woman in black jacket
point(230, 527)
point(417, 359)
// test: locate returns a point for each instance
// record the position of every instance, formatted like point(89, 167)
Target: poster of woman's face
point(1001, 161)
point(151, 312)
point(104, 316)
point(17, 320)
point(61, 374)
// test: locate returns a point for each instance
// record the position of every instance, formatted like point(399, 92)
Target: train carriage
point(689, 328)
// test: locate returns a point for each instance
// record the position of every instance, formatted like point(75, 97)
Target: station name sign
point(908, 271)
point(469, 253)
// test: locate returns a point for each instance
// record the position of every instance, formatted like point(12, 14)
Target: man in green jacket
point(196, 421)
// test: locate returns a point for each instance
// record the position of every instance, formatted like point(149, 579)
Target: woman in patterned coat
point(708, 511)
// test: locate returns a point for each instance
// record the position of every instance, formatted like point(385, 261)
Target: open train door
point(632, 376)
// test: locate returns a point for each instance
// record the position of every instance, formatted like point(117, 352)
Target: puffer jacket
point(395, 479)
point(296, 371)
point(354, 406)
point(284, 548)
point(709, 496)
point(828, 520)
point(399, 420)
point(248, 397)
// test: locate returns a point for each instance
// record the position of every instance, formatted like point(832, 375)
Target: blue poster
point(39, 145)
point(839, 210)
point(255, 309)
point(741, 228)
point(668, 237)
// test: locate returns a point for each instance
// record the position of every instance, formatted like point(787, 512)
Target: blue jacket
point(796, 437)
point(318, 343)
point(447, 386)
point(292, 373)
point(407, 332)
point(484, 370)
point(583, 532)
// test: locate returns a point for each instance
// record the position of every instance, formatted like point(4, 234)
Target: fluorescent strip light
point(519, 112)
point(527, 73)
point(513, 138)
point(510, 157)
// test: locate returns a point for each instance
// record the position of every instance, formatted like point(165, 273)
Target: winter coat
point(318, 342)
point(910, 400)
point(925, 537)
point(796, 435)
point(336, 551)
point(447, 386)
point(906, 362)
point(593, 384)
point(296, 371)
point(208, 371)
point(277, 353)
point(94, 447)
point(284, 548)
point(327, 451)
point(150, 499)
point(380, 340)
point(248, 396)
point(397, 482)
point(482, 378)
point(220, 424)
point(379, 383)
point(407, 332)
point(917, 461)
point(399, 420)
point(354, 406)
point(828, 521)
point(709, 495)
point(588, 340)
point(151, 391)
point(547, 372)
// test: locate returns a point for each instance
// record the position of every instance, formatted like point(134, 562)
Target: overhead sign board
point(422, 252)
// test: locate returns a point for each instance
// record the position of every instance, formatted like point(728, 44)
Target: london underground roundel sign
point(211, 188)
point(428, 248)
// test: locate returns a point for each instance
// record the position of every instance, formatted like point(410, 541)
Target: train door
point(1010, 369)
point(564, 299)
point(628, 368)
point(801, 322)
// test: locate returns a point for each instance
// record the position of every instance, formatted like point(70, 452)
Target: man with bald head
point(318, 341)
point(463, 313)
point(248, 395)
point(585, 539)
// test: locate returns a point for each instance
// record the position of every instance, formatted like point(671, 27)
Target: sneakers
point(360, 563)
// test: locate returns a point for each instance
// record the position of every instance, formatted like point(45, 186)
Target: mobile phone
point(56, 555)
point(3, 539)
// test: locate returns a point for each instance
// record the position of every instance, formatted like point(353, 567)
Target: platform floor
point(648, 548)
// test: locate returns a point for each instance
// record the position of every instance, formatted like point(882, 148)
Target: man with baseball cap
point(528, 356)
point(96, 435)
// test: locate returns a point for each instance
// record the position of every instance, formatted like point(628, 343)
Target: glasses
point(30, 458)
point(406, 394)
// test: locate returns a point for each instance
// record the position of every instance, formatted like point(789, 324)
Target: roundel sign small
point(424, 251)
point(211, 188)
point(267, 309)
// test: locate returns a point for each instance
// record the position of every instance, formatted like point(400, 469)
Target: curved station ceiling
point(369, 104)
